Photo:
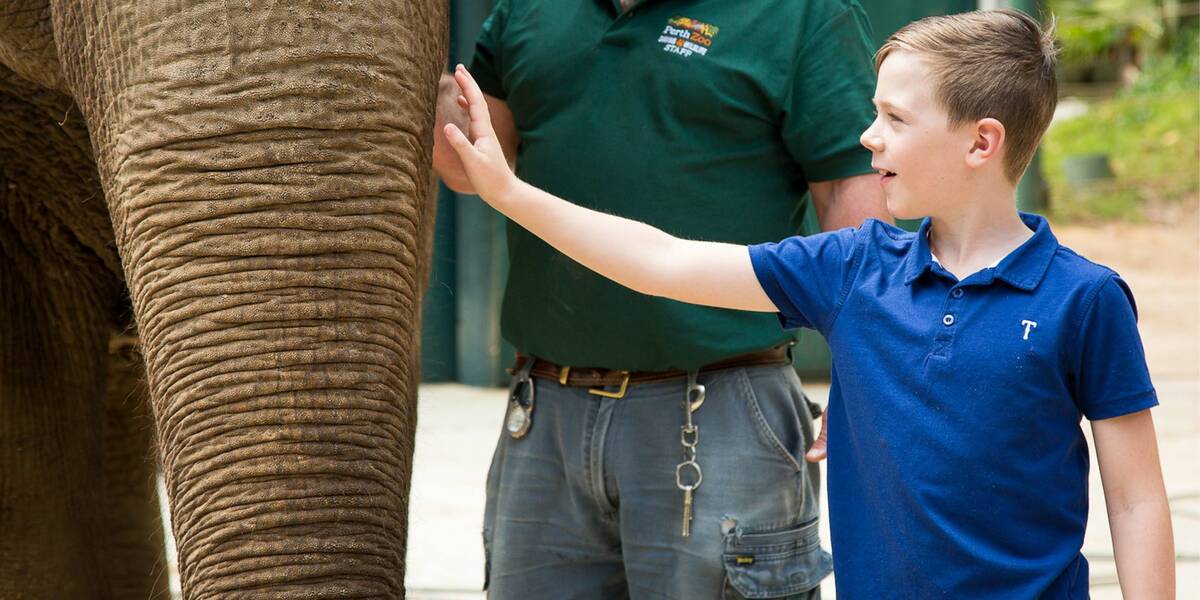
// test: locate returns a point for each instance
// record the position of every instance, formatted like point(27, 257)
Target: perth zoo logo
point(686, 36)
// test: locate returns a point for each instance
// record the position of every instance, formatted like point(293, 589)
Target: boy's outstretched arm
point(1138, 515)
point(630, 253)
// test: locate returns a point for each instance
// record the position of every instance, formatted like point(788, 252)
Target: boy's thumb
point(457, 140)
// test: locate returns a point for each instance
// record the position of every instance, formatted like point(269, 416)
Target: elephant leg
point(58, 289)
point(136, 555)
point(51, 380)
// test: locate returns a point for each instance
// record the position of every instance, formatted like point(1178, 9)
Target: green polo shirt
point(704, 118)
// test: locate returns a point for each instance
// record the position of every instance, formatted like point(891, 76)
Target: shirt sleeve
point(487, 64)
point(827, 104)
point(1110, 365)
point(807, 277)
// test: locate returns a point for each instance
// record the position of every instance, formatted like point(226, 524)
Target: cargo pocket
point(779, 563)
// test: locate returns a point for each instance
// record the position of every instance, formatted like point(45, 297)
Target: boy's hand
point(481, 154)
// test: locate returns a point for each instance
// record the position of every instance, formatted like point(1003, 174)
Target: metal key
point(687, 511)
point(688, 489)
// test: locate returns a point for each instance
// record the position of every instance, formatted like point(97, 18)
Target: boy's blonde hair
point(994, 63)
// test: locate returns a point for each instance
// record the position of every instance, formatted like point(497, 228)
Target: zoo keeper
point(654, 448)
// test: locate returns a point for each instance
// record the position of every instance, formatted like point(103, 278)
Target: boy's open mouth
point(886, 176)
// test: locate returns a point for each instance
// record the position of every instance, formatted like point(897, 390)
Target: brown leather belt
point(600, 378)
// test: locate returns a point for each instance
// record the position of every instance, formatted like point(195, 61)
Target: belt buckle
point(617, 394)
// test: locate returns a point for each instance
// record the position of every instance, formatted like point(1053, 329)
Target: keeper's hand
point(479, 149)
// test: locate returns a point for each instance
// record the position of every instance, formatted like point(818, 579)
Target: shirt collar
point(616, 4)
point(1023, 268)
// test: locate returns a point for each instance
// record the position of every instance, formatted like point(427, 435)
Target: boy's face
point(921, 160)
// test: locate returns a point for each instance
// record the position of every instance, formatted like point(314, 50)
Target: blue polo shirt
point(957, 462)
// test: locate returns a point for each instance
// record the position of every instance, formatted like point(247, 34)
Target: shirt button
point(957, 293)
point(948, 320)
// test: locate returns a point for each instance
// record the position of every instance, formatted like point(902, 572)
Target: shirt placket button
point(948, 318)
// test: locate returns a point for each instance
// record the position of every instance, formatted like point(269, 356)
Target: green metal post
point(438, 314)
point(482, 269)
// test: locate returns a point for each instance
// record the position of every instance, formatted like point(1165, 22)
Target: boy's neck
point(977, 231)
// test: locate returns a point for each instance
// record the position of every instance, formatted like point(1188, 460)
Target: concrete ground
point(458, 425)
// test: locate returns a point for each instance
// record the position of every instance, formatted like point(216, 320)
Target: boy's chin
point(903, 210)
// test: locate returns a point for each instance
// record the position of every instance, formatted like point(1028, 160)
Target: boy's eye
point(893, 117)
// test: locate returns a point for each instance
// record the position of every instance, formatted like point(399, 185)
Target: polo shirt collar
point(919, 260)
point(1023, 268)
point(616, 4)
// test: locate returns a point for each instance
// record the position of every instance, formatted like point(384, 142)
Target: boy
point(964, 355)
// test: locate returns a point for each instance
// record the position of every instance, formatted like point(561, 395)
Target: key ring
point(679, 475)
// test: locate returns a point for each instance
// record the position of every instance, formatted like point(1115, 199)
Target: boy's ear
point(989, 139)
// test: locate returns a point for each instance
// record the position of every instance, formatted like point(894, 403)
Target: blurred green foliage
point(1149, 129)
point(1089, 30)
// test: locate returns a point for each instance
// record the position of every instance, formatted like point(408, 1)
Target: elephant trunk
point(267, 174)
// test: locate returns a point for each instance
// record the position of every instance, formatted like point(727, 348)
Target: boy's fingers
point(457, 140)
point(467, 84)
point(477, 109)
point(817, 452)
point(476, 105)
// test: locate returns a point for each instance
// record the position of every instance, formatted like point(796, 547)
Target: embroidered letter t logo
point(1028, 325)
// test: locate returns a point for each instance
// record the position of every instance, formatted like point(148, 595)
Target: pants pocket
point(779, 413)
point(783, 563)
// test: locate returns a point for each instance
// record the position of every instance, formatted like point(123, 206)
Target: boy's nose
point(870, 140)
